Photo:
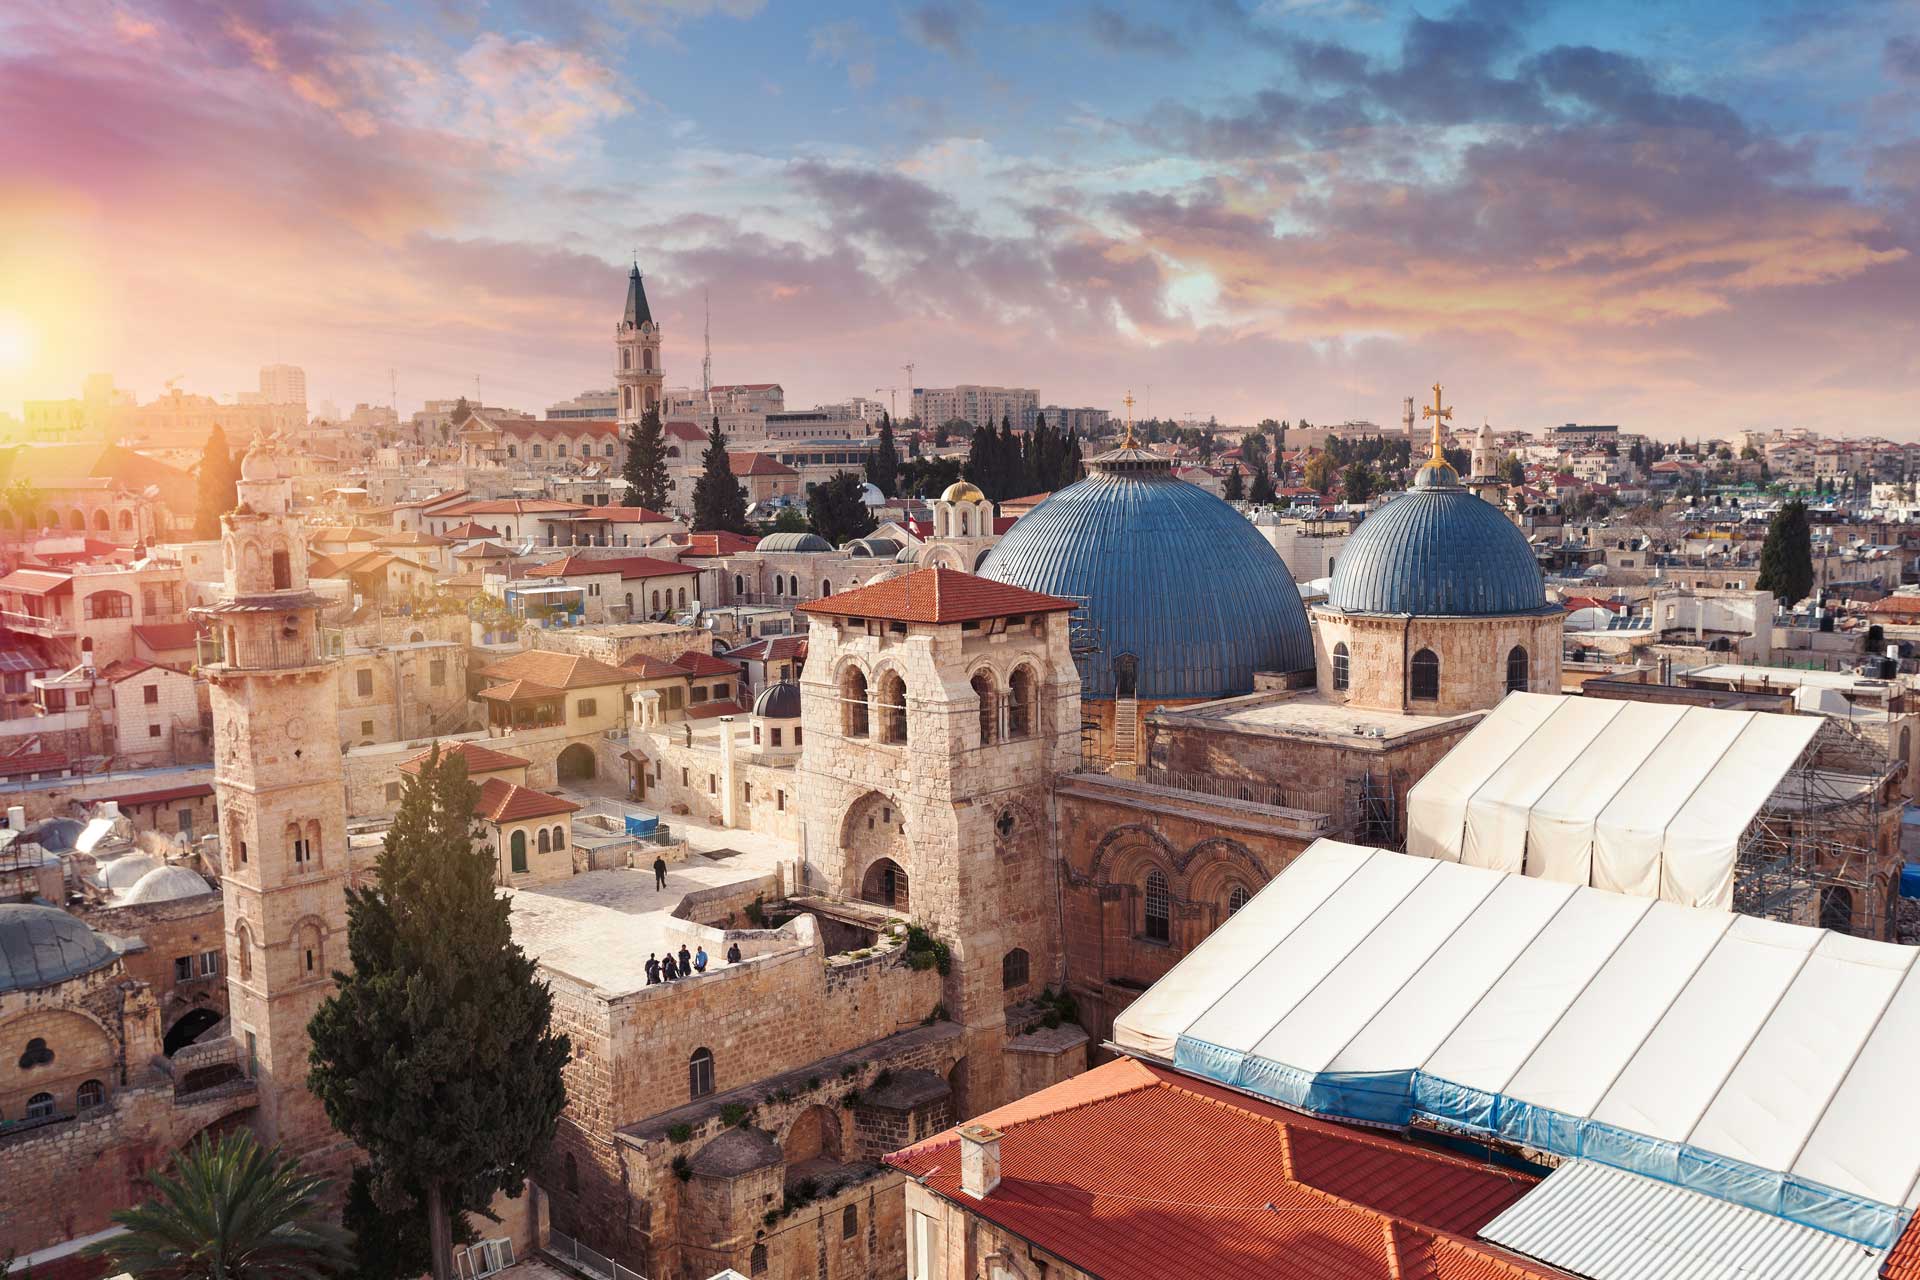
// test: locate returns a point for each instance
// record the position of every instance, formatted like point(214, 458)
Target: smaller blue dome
point(41, 946)
point(1437, 550)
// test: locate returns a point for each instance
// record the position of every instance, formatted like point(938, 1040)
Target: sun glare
point(16, 343)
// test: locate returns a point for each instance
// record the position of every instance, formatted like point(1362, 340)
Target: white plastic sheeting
point(1756, 1062)
point(1638, 797)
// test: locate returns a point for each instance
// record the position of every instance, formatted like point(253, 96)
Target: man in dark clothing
point(686, 961)
point(667, 970)
point(733, 954)
point(659, 872)
point(653, 969)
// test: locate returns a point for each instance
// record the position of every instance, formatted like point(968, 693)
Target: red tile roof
point(514, 507)
point(470, 530)
point(683, 430)
point(697, 663)
point(479, 759)
point(632, 515)
point(1131, 1172)
point(771, 649)
point(37, 582)
point(161, 636)
point(936, 595)
point(708, 710)
point(720, 544)
point(1897, 606)
point(503, 801)
point(758, 464)
point(648, 667)
point(127, 668)
point(556, 670)
point(519, 691)
point(628, 567)
point(557, 426)
point(1903, 1260)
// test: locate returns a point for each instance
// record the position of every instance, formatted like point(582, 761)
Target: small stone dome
point(794, 542)
point(963, 491)
point(126, 872)
point(165, 884)
point(738, 1151)
point(41, 946)
point(260, 462)
point(779, 701)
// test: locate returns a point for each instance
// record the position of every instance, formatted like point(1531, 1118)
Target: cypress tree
point(436, 1054)
point(1236, 486)
point(1786, 558)
point(835, 511)
point(883, 463)
point(215, 493)
point(981, 464)
point(719, 503)
point(645, 470)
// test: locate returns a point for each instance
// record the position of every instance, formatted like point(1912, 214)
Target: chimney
point(16, 818)
point(979, 1160)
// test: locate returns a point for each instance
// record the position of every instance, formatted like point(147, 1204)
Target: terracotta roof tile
point(470, 529)
point(503, 801)
point(720, 544)
point(632, 515)
point(681, 430)
point(1903, 1260)
point(758, 464)
point(480, 759)
point(519, 691)
point(557, 670)
point(1130, 1172)
point(628, 567)
point(514, 507)
point(771, 649)
point(164, 794)
point(648, 667)
point(708, 710)
point(160, 636)
point(936, 595)
point(697, 663)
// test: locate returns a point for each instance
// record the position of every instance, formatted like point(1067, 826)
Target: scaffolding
point(1813, 854)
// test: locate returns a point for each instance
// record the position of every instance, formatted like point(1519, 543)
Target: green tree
point(883, 461)
point(391, 1246)
point(719, 503)
point(1514, 470)
point(928, 477)
point(645, 469)
point(1357, 482)
point(1322, 467)
point(461, 412)
point(228, 1209)
point(436, 1053)
point(1786, 558)
point(1236, 490)
point(1261, 491)
point(791, 520)
point(835, 511)
point(215, 493)
point(944, 433)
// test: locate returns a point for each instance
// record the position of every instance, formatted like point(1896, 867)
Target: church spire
point(637, 312)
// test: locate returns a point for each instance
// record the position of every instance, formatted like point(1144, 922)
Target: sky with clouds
point(1684, 218)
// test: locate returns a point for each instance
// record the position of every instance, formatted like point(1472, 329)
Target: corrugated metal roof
point(1608, 1224)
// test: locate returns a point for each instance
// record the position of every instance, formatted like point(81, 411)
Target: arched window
point(626, 357)
point(1423, 677)
point(573, 1174)
point(1237, 899)
point(313, 840)
point(826, 588)
point(989, 713)
point(1020, 703)
point(683, 597)
point(853, 703)
point(1836, 908)
point(78, 521)
point(646, 360)
point(296, 843)
point(102, 522)
point(39, 1106)
point(629, 604)
point(1517, 670)
point(963, 522)
point(656, 602)
point(757, 1262)
point(518, 850)
point(559, 838)
point(893, 708)
point(700, 1073)
point(1906, 743)
point(546, 841)
point(1342, 674)
point(109, 604)
point(1157, 921)
point(739, 585)
point(91, 1093)
point(1013, 969)
point(849, 1222)
point(126, 522)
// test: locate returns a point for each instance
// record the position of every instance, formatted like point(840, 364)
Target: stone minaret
point(637, 369)
point(277, 780)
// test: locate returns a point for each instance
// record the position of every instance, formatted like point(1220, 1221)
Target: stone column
point(729, 792)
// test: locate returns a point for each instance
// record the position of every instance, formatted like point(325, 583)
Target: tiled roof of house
point(758, 464)
point(519, 691)
point(648, 667)
point(708, 710)
point(514, 507)
point(160, 636)
point(720, 544)
point(771, 649)
point(470, 529)
point(557, 670)
point(936, 595)
point(503, 801)
point(628, 567)
point(416, 538)
point(127, 668)
point(37, 582)
point(480, 759)
point(1131, 1172)
point(558, 426)
point(164, 795)
point(681, 430)
point(697, 663)
point(632, 515)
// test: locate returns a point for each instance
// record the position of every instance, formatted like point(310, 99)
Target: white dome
point(164, 884)
point(871, 496)
point(124, 873)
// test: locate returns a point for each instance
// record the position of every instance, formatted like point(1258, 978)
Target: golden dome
point(962, 491)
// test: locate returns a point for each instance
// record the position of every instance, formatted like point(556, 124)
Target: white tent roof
point(1639, 797)
point(1749, 1060)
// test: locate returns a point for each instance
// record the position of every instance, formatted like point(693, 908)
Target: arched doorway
point(885, 884)
point(193, 1024)
point(1836, 908)
point(814, 1136)
point(575, 763)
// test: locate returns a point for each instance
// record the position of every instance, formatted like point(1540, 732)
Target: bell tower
point(637, 371)
point(277, 780)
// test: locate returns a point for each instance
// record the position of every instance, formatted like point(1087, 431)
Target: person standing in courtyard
point(653, 969)
point(659, 872)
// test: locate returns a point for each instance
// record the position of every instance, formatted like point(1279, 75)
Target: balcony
point(271, 651)
point(34, 624)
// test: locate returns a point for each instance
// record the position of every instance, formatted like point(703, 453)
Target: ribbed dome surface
point(793, 542)
point(1437, 551)
point(40, 946)
point(778, 701)
point(1170, 574)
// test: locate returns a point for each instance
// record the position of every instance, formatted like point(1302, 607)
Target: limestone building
point(638, 373)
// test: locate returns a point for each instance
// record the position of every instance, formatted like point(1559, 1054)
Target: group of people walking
point(680, 964)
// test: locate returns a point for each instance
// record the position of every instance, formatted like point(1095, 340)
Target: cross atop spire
point(1128, 401)
point(1440, 413)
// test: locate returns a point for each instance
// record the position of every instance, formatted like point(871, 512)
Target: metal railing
point(271, 650)
point(35, 622)
point(567, 1249)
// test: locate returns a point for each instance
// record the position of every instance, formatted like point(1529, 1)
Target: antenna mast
point(706, 361)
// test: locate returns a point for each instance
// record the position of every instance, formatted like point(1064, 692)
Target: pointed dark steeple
point(637, 312)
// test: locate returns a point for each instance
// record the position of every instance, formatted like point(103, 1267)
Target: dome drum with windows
point(1437, 604)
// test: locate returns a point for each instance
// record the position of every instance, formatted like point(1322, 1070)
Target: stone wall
point(53, 799)
point(1472, 653)
point(613, 644)
point(185, 928)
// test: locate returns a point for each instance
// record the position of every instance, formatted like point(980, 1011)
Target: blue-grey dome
point(793, 542)
point(41, 946)
point(1171, 576)
point(778, 701)
point(1437, 550)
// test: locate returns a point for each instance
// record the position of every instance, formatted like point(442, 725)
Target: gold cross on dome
point(1128, 401)
point(1439, 413)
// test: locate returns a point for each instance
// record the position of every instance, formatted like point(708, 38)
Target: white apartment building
point(742, 408)
point(976, 404)
point(283, 384)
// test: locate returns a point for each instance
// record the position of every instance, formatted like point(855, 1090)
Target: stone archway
point(189, 1027)
point(576, 763)
point(814, 1135)
point(885, 884)
point(873, 832)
